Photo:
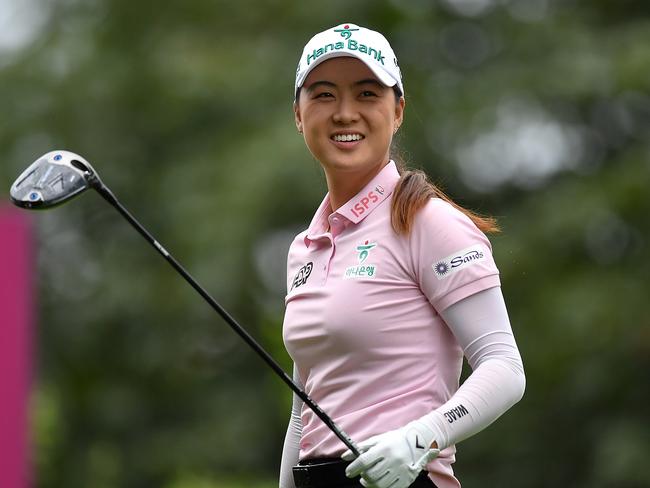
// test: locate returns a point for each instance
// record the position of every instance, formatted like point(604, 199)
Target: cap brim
point(383, 77)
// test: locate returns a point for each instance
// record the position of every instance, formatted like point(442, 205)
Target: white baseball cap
point(367, 45)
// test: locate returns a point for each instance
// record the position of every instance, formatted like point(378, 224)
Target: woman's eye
point(368, 93)
point(323, 95)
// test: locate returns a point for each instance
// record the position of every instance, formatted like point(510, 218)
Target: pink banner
point(16, 317)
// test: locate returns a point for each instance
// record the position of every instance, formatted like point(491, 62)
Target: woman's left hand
point(393, 459)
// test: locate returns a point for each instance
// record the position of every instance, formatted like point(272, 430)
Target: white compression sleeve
point(481, 326)
point(291, 448)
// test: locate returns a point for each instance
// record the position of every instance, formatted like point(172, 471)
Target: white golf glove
point(393, 459)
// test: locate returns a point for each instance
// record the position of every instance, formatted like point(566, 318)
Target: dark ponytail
point(414, 190)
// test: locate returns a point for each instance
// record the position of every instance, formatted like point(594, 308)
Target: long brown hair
point(414, 190)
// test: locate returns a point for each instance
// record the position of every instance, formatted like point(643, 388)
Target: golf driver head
point(52, 179)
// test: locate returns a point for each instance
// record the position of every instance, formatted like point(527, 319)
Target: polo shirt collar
point(358, 207)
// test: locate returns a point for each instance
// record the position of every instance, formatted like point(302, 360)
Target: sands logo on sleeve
point(459, 260)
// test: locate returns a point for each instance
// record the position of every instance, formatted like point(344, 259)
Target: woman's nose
point(346, 111)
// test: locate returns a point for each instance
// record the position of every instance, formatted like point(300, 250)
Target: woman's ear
point(399, 112)
point(296, 113)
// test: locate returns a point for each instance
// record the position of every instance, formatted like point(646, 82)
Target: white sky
point(20, 21)
point(525, 146)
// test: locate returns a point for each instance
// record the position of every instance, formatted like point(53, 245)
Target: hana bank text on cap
point(367, 45)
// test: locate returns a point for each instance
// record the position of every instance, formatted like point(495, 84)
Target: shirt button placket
point(326, 264)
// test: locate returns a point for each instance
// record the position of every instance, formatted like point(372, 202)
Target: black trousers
point(330, 473)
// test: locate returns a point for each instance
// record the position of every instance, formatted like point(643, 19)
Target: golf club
point(58, 176)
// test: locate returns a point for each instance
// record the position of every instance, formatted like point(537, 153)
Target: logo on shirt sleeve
point(459, 260)
point(302, 275)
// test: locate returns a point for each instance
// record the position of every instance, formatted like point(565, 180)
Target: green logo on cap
point(346, 32)
point(351, 45)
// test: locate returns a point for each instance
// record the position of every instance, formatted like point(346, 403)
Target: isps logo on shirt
point(445, 267)
point(364, 203)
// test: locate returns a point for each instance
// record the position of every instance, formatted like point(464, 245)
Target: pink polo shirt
point(362, 322)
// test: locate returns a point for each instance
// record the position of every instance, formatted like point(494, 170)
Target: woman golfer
point(388, 288)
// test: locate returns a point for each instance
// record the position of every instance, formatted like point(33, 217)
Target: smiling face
point(348, 118)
